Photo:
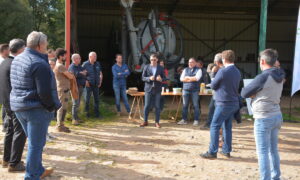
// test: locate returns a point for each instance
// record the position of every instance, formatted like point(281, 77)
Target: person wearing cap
point(15, 138)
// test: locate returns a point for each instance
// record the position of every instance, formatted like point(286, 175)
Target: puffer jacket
point(31, 82)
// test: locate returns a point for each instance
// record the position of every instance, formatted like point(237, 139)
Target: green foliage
point(19, 17)
point(48, 17)
point(16, 20)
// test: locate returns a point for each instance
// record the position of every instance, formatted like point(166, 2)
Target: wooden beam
point(68, 31)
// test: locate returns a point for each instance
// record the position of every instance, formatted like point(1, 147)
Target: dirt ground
point(121, 150)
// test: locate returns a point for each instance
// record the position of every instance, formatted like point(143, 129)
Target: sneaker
point(207, 155)
point(182, 122)
point(48, 171)
point(196, 123)
point(226, 155)
point(205, 127)
point(17, 168)
point(63, 129)
point(4, 164)
point(52, 136)
point(75, 122)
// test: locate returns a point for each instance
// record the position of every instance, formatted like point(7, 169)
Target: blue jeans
point(186, 95)
point(76, 104)
point(35, 123)
point(152, 98)
point(120, 90)
point(211, 111)
point(223, 116)
point(266, 137)
point(89, 91)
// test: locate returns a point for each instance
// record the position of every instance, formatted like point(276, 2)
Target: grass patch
point(287, 118)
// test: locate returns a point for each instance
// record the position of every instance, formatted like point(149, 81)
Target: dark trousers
point(15, 138)
point(95, 91)
point(210, 112)
point(152, 98)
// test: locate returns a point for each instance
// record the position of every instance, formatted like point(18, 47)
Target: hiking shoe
point(157, 125)
point(182, 122)
point(207, 155)
point(17, 168)
point(196, 123)
point(48, 171)
point(4, 164)
point(75, 122)
point(144, 124)
point(63, 129)
point(226, 155)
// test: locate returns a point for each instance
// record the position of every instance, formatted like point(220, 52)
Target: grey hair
point(15, 45)
point(218, 58)
point(269, 55)
point(34, 39)
point(74, 56)
point(90, 54)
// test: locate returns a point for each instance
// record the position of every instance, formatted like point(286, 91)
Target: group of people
point(35, 84)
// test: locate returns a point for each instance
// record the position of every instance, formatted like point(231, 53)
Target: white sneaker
point(196, 123)
point(182, 122)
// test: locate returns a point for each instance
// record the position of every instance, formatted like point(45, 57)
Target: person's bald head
point(92, 57)
point(76, 59)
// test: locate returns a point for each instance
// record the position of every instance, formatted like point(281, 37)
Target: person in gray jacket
point(265, 91)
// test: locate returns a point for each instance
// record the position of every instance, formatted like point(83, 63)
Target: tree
point(48, 17)
point(16, 20)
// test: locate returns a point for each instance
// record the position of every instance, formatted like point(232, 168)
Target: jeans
point(76, 104)
point(266, 132)
point(14, 140)
point(186, 99)
point(211, 111)
point(152, 98)
point(120, 90)
point(35, 123)
point(162, 103)
point(223, 116)
point(95, 91)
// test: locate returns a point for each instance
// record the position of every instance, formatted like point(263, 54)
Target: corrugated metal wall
point(95, 33)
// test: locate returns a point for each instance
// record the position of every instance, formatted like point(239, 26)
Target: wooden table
point(138, 103)
point(177, 98)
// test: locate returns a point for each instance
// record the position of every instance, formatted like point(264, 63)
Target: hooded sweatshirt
point(266, 89)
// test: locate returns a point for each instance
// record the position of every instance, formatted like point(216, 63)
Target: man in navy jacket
point(153, 76)
point(80, 75)
point(226, 85)
point(32, 100)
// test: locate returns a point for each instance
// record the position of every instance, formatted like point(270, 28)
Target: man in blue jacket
point(265, 91)
point(80, 75)
point(32, 100)
point(226, 85)
point(153, 76)
point(120, 73)
point(93, 83)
